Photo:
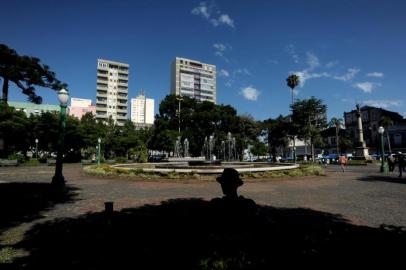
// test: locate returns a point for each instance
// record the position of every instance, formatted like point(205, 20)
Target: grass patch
point(9, 254)
point(301, 171)
point(138, 173)
point(106, 170)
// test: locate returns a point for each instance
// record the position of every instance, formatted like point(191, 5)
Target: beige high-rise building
point(193, 79)
point(142, 111)
point(112, 91)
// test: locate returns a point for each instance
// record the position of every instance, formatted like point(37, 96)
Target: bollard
point(108, 212)
point(109, 208)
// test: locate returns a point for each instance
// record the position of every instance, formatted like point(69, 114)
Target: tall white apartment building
point(112, 91)
point(193, 79)
point(142, 111)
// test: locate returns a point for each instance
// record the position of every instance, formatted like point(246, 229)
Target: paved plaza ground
point(360, 197)
point(361, 194)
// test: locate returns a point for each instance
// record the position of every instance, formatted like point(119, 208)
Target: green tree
point(276, 133)
point(200, 120)
point(259, 149)
point(13, 130)
point(25, 72)
point(309, 115)
point(336, 123)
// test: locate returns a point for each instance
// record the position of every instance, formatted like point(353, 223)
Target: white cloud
point(375, 74)
point(305, 75)
point(367, 87)
point(312, 60)
point(228, 84)
point(383, 103)
point(243, 71)
point(313, 63)
point(221, 49)
point(250, 93)
point(210, 13)
point(224, 73)
point(290, 49)
point(332, 63)
point(225, 19)
point(351, 72)
point(202, 10)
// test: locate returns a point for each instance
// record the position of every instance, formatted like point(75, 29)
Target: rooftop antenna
point(142, 92)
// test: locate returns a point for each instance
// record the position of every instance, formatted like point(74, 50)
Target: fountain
point(186, 148)
point(178, 148)
point(208, 163)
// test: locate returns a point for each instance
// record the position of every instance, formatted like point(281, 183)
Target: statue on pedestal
point(361, 151)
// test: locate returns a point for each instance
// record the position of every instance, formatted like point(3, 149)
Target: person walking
point(401, 163)
point(391, 163)
point(342, 160)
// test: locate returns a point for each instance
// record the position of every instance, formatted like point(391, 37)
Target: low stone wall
point(258, 167)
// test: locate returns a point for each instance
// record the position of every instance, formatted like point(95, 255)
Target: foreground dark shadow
point(384, 178)
point(197, 234)
point(24, 202)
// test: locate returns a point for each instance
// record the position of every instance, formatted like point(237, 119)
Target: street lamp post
point(384, 165)
point(58, 180)
point(179, 99)
point(98, 151)
point(36, 148)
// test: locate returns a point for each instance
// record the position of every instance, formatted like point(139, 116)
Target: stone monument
point(361, 151)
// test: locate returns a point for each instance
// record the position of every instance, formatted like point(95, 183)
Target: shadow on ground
point(197, 234)
point(384, 178)
point(24, 202)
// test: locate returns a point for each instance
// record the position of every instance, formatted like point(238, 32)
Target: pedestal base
point(362, 153)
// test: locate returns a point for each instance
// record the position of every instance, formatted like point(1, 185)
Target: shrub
point(121, 159)
point(17, 156)
point(32, 162)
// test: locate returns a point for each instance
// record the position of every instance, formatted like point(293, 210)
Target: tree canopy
point(310, 118)
point(199, 120)
point(25, 72)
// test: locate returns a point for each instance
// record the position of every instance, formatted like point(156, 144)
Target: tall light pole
point(58, 180)
point(36, 148)
point(384, 165)
point(98, 151)
point(179, 99)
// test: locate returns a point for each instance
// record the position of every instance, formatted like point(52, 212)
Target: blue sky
point(344, 51)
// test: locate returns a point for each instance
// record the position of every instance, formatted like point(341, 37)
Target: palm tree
point(293, 80)
point(337, 123)
point(386, 122)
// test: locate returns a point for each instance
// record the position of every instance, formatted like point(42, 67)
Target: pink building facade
point(80, 107)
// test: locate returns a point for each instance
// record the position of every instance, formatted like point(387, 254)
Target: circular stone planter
point(184, 167)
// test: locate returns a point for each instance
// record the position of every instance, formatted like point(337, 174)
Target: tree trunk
point(337, 142)
point(312, 146)
point(387, 137)
point(5, 90)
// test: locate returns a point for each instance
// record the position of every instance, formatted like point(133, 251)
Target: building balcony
point(125, 84)
point(121, 110)
point(120, 90)
point(101, 104)
point(103, 81)
point(121, 117)
point(101, 109)
point(101, 94)
point(124, 72)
